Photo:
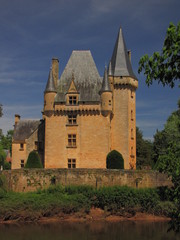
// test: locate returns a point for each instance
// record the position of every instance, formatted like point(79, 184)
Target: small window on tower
point(71, 140)
point(132, 134)
point(71, 163)
point(132, 93)
point(21, 146)
point(109, 102)
point(72, 119)
point(22, 163)
point(73, 100)
point(132, 115)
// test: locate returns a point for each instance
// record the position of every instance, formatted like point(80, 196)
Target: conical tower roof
point(105, 83)
point(120, 63)
point(50, 86)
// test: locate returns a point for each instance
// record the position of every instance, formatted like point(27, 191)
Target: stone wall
point(23, 180)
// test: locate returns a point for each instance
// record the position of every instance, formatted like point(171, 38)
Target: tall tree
point(167, 145)
point(164, 66)
point(143, 151)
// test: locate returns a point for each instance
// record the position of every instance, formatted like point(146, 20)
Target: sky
point(32, 32)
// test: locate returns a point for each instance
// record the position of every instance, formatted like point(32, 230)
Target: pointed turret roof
point(121, 65)
point(50, 86)
point(110, 69)
point(105, 83)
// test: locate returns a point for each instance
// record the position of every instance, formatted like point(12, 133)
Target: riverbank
point(85, 203)
point(95, 215)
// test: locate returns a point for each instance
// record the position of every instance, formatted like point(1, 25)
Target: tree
point(165, 66)
point(167, 157)
point(33, 160)
point(2, 156)
point(6, 141)
point(143, 151)
point(114, 160)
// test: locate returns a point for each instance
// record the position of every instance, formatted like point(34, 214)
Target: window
point(71, 140)
point(72, 119)
point(132, 135)
point(71, 163)
point(132, 93)
point(72, 100)
point(21, 146)
point(109, 102)
point(132, 115)
point(132, 151)
point(22, 163)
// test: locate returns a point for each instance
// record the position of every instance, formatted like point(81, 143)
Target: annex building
point(84, 116)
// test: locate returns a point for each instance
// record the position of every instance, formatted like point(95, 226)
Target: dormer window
point(72, 100)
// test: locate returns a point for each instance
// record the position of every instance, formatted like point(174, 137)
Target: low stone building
point(84, 116)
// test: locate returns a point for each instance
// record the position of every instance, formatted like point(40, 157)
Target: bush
point(33, 160)
point(114, 160)
point(7, 166)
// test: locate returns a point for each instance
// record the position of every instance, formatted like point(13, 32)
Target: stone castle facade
point(84, 116)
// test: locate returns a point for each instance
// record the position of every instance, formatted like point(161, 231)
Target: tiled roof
point(120, 63)
point(86, 77)
point(24, 128)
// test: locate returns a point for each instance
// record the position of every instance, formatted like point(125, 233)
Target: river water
point(94, 231)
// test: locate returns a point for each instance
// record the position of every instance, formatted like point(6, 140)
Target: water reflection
point(87, 231)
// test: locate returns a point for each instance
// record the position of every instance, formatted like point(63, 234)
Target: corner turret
point(106, 95)
point(49, 93)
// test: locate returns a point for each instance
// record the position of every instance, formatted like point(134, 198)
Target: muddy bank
point(95, 214)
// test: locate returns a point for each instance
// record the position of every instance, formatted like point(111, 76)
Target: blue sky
point(34, 31)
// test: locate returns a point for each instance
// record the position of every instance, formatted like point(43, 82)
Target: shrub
point(114, 160)
point(7, 165)
point(33, 160)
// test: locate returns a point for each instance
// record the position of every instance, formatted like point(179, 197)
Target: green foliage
point(6, 141)
point(165, 66)
point(71, 199)
point(114, 160)
point(165, 208)
point(167, 157)
point(33, 160)
point(2, 156)
point(143, 151)
point(7, 165)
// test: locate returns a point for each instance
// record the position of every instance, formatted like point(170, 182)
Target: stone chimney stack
point(17, 119)
point(55, 70)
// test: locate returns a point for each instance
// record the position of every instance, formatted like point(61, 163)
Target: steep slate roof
point(120, 63)
point(24, 128)
point(50, 87)
point(105, 84)
point(86, 77)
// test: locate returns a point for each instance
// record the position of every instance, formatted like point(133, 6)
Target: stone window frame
point(71, 163)
point(72, 141)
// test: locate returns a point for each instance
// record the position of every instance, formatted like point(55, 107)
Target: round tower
point(49, 93)
point(106, 95)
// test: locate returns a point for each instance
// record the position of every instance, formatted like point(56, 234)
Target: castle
point(84, 116)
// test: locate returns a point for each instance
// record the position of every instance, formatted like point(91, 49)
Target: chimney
point(17, 119)
point(129, 55)
point(55, 70)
